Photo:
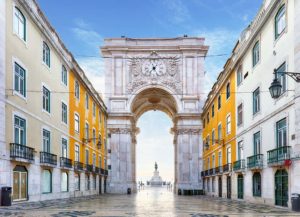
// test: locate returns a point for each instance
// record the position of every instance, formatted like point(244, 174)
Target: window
point(281, 133)
point(212, 110)
point(64, 182)
point(207, 142)
point(94, 136)
point(87, 101)
point(94, 159)
point(256, 184)
point(46, 99)
point(256, 101)
point(86, 156)
point(239, 76)
point(213, 161)
point(64, 113)
point(240, 150)
point(20, 130)
point(256, 143)
point(46, 140)
point(228, 124)
point(20, 80)
point(77, 153)
point(219, 132)
point(219, 101)
point(77, 90)
point(64, 147)
point(86, 133)
point(100, 117)
point(105, 164)
point(64, 75)
point(94, 109)
point(19, 24)
point(46, 54)
point(227, 90)
point(213, 137)
point(87, 182)
point(76, 123)
point(228, 155)
point(100, 162)
point(280, 22)
point(255, 54)
point(282, 77)
point(76, 182)
point(47, 181)
point(207, 117)
point(99, 141)
point(204, 123)
point(240, 114)
point(220, 159)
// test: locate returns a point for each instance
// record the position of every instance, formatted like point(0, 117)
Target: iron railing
point(239, 165)
point(78, 165)
point(255, 161)
point(48, 158)
point(65, 162)
point(227, 168)
point(278, 155)
point(89, 167)
point(21, 151)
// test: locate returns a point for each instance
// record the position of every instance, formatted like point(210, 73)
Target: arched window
point(64, 182)
point(255, 54)
point(280, 21)
point(46, 54)
point(239, 76)
point(19, 24)
point(256, 184)
point(47, 181)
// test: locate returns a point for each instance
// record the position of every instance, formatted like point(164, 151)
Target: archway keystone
point(165, 74)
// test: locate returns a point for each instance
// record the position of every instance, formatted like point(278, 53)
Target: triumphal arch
point(165, 74)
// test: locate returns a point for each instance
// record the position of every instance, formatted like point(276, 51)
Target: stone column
point(122, 157)
point(188, 162)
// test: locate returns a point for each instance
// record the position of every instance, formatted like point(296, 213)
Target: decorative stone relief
point(154, 69)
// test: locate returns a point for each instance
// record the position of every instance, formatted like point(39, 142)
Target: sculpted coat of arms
point(154, 69)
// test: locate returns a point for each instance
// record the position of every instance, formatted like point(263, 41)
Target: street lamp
point(276, 87)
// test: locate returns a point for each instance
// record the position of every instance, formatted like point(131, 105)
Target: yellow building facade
point(219, 132)
point(88, 115)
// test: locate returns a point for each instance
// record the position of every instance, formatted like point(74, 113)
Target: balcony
point(106, 172)
point(206, 173)
point(21, 153)
point(97, 170)
point(48, 159)
point(227, 168)
point(239, 165)
point(277, 157)
point(102, 171)
point(212, 172)
point(255, 161)
point(78, 166)
point(219, 170)
point(202, 173)
point(89, 167)
point(65, 163)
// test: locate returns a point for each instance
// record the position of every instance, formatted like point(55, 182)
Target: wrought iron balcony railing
point(202, 174)
point(97, 170)
point(212, 171)
point(102, 171)
point(106, 172)
point(89, 167)
point(255, 161)
point(48, 158)
point(239, 165)
point(21, 152)
point(227, 168)
point(65, 162)
point(78, 165)
point(219, 170)
point(279, 155)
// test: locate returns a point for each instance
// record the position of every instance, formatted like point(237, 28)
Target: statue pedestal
point(156, 180)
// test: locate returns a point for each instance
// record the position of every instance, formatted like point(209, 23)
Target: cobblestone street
point(148, 202)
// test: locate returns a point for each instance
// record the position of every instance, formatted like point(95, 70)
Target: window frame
point(240, 120)
point(283, 129)
point(15, 31)
point(256, 53)
point(87, 101)
point(46, 54)
point(61, 186)
point(279, 15)
point(50, 190)
point(17, 92)
point(45, 109)
point(77, 89)
point(256, 187)
point(228, 91)
point(228, 124)
point(22, 141)
point(256, 103)
point(219, 102)
point(64, 114)
point(282, 78)
point(75, 121)
point(64, 75)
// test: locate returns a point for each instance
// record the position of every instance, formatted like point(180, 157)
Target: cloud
point(178, 12)
point(92, 64)
point(220, 41)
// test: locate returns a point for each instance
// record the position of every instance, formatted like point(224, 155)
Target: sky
point(82, 25)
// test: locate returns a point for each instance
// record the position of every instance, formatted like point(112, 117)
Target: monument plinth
point(156, 180)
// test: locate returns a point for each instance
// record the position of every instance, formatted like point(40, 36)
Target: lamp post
point(276, 87)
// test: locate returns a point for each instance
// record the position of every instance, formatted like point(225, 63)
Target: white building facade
point(267, 129)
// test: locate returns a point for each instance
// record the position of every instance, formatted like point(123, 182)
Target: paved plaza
point(150, 202)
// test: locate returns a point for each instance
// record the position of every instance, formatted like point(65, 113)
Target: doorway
point(220, 186)
point(240, 187)
point(20, 183)
point(229, 187)
point(100, 184)
point(281, 188)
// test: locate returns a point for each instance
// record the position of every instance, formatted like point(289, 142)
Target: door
point(229, 187)
point(220, 186)
point(281, 188)
point(240, 186)
point(100, 185)
point(104, 185)
point(20, 184)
